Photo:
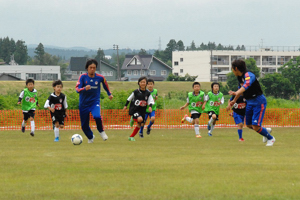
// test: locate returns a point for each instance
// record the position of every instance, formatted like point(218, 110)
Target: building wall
point(109, 73)
point(197, 63)
point(27, 71)
point(7, 78)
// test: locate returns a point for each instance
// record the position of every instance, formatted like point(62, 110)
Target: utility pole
point(116, 47)
point(211, 65)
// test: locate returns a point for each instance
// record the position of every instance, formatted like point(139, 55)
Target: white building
point(198, 63)
point(37, 72)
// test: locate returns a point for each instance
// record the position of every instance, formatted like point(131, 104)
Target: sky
point(138, 24)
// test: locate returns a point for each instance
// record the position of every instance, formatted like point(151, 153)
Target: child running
point(139, 100)
point(154, 94)
point(57, 104)
point(239, 110)
point(29, 100)
point(213, 100)
point(195, 101)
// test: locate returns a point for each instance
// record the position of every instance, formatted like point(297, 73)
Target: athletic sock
point(32, 126)
point(263, 131)
point(150, 124)
point(141, 129)
point(196, 126)
point(23, 123)
point(56, 132)
point(211, 121)
point(189, 119)
point(135, 131)
point(212, 128)
point(240, 132)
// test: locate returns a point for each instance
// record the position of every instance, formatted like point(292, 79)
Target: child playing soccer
point(213, 100)
point(29, 100)
point(57, 104)
point(195, 101)
point(139, 100)
point(239, 110)
point(154, 94)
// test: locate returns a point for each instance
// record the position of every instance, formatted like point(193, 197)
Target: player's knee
point(240, 125)
point(61, 126)
point(250, 126)
point(152, 119)
point(140, 119)
point(214, 116)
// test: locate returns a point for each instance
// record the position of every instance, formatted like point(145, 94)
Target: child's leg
point(56, 130)
point(25, 118)
point(137, 128)
point(142, 127)
point(32, 126)
point(240, 130)
point(196, 126)
point(213, 121)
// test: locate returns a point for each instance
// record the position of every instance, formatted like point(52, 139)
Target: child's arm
point(206, 98)
point(79, 86)
point(128, 100)
point(185, 105)
point(150, 102)
point(228, 106)
point(66, 106)
point(21, 97)
point(47, 105)
point(106, 88)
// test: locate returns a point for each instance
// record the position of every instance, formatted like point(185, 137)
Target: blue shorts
point(238, 118)
point(255, 113)
point(152, 114)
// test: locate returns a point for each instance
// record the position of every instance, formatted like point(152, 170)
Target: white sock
point(32, 126)
point(23, 123)
point(196, 126)
point(212, 128)
point(211, 120)
point(189, 119)
point(56, 132)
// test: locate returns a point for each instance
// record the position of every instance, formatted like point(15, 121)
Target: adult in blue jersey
point(88, 87)
point(256, 101)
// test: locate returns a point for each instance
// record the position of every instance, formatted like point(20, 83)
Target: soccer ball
point(76, 139)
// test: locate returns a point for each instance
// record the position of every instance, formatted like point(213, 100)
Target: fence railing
point(165, 119)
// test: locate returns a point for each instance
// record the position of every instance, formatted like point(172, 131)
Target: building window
point(181, 70)
point(43, 77)
point(163, 72)
point(176, 74)
point(143, 73)
point(220, 60)
point(111, 73)
point(181, 59)
point(152, 72)
point(103, 73)
point(237, 58)
point(269, 60)
point(176, 63)
point(256, 58)
point(128, 72)
point(281, 60)
point(135, 72)
point(18, 75)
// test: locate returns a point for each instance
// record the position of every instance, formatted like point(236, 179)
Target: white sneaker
point(270, 142)
point(91, 140)
point(265, 139)
point(103, 135)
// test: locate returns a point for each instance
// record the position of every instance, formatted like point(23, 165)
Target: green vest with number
point(214, 102)
point(196, 102)
point(29, 99)
point(154, 94)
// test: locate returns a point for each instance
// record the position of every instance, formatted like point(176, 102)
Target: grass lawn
point(167, 164)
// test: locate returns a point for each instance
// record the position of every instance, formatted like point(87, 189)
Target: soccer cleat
point(56, 139)
point(198, 136)
point(183, 119)
point(131, 122)
point(141, 135)
point(208, 127)
point(23, 129)
point(131, 139)
point(241, 140)
point(103, 135)
point(148, 131)
point(265, 139)
point(32, 133)
point(91, 140)
point(270, 142)
point(209, 134)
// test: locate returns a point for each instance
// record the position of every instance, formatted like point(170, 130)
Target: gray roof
point(145, 61)
point(78, 63)
point(8, 75)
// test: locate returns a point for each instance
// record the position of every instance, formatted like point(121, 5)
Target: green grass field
point(167, 164)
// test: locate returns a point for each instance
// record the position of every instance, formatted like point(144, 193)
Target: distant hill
point(67, 53)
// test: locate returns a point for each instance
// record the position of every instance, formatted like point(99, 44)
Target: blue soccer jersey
point(89, 98)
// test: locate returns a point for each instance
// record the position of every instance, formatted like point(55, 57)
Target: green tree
point(232, 82)
point(251, 66)
point(203, 46)
point(291, 70)
point(40, 53)
point(193, 46)
point(171, 46)
point(63, 67)
point(21, 54)
point(180, 46)
point(278, 86)
point(6, 50)
point(101, 56)
point(143, 52)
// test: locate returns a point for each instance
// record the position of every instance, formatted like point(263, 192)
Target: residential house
point(135, 66)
